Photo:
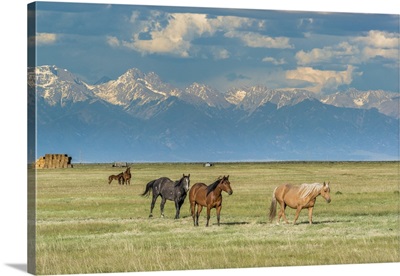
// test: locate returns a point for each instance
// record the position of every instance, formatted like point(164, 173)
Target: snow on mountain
point(206, 94)
point(58, 86)
point(135, 91)
point(138, 116)
point(136, 86)
point(251, 98)
point(386, 102)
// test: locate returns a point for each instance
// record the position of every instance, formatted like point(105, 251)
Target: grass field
point(85, 225)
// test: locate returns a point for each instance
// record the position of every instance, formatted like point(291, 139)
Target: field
point(85, 225)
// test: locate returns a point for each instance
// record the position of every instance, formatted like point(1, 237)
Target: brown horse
point(119, 177)
point(127, 176)
point(297, 197)
point(208, 196)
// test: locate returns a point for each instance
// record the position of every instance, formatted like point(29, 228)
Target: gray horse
point(166, 188)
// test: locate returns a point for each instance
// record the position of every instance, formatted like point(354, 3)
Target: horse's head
point(325, 192)
point(185, 182)
point(226, 185)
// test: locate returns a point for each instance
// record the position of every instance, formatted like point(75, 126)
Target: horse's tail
point(149, 186)
point(272, 208)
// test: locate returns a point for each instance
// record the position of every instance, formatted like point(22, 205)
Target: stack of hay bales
point(54, 161)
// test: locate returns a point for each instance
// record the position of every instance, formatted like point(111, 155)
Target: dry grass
point(85, 225)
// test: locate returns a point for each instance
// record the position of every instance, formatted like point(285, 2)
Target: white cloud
point(175, 38)
point(256, 40)
point(274, 60)
point(113, 41)
point(369, 53)
point(355, 51)
point(319, 80)
point(44, 38)
point(221, 54)
point(176, 33)
point(343, 51)
point(379, 39)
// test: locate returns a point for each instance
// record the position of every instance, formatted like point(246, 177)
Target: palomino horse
point(127, 176)
point(208, 196)
point(297, 197)
point(168, 189)
point(119, 177)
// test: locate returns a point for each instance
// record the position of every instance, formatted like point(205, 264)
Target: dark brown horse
point(297, 197)
point(127, 176)
point(210, 196)
point(119, 177)
point(168, 190)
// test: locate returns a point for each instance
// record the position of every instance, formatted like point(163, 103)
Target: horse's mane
point(214, 185)
point(307, 189)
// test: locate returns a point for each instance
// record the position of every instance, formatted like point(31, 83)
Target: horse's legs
point(199, 208)
point(297, 214)
point(177, 207)
point(281, 212)
point(208, 215)
point(310, 210)
point(153, 202)
point(192, 210)
point(218, 213)
point(163, 200)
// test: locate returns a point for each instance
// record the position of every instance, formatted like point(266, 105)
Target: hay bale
point(54, 161)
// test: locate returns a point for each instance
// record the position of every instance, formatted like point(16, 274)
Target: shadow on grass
point(235, 223)
point(306, 222)
point(323, 222)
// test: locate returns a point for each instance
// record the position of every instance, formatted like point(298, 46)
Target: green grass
point(85, 225)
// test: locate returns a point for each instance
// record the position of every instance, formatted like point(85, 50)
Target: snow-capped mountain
point(386, 103)
point(205, 94)
point(250, 98)
point(140, 117)
point(134, 86)
point(58, 86)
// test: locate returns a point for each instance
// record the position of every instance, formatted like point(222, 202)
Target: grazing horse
point(297, 197)
point(208, 196)
point(168, 189)
point(127, 176)
point(118, 177)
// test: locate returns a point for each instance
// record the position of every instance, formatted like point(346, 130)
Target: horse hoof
point(150, 216)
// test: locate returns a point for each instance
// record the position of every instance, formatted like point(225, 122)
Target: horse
point(297, 197)
point(127, 176)
point(210, 196)
point(118, 177)
point(168, 190)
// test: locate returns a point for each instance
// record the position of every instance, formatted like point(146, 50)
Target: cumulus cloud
point(176, 37)
point(321, 80)
point(354, 51)
point(379, 39)
point(175, 33)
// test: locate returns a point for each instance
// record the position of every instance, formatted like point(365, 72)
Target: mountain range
point(140, 118)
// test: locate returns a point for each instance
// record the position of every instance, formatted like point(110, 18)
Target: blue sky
point(320, 51)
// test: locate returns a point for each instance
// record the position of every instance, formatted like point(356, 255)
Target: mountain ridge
point(139, 117)
point(134, 85)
